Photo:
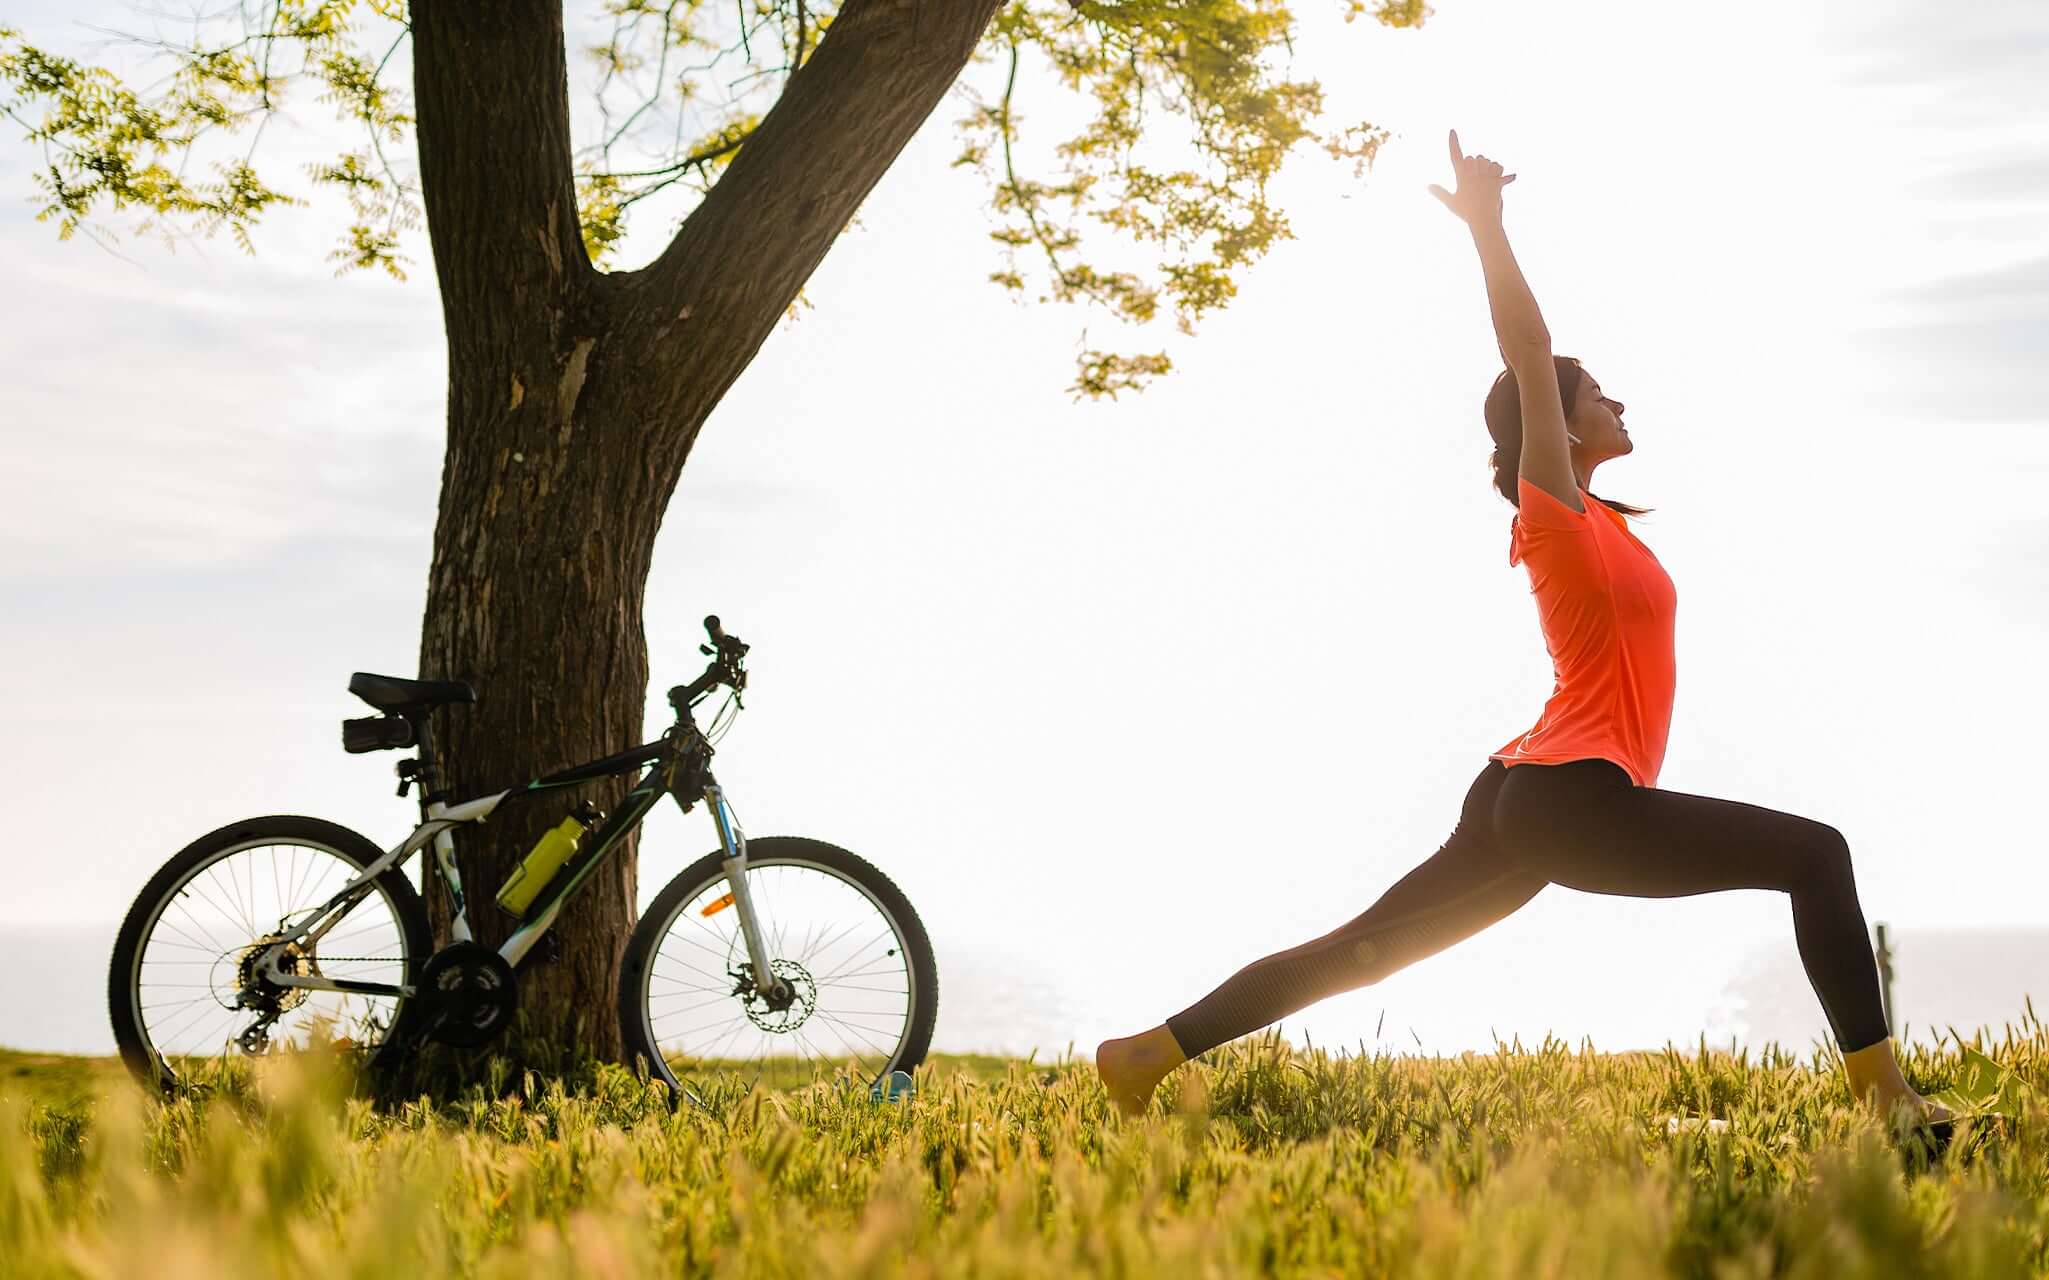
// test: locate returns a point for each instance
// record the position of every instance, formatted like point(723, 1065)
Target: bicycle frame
point(668, 763)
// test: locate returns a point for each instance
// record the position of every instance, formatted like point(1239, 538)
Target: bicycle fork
point(733, 842)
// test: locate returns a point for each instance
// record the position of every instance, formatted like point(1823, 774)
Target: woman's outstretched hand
point(1477, 201)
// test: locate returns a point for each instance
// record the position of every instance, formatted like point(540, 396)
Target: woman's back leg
point(1455, 893)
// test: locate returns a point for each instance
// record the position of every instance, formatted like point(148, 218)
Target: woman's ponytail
point(1507, 463)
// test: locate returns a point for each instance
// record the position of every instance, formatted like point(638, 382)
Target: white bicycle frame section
point(442, 819)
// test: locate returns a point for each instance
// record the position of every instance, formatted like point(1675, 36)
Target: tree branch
point(744, 253)
point(502, 226)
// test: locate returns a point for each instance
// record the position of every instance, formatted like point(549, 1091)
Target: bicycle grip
point(711, 625)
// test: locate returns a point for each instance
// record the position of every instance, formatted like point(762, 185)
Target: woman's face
point(1597, 421)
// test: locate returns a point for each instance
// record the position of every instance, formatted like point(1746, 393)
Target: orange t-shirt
point(1606, 606)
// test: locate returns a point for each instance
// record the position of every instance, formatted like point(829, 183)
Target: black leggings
point(1584, 825)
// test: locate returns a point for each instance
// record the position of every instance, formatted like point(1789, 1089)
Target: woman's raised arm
point(1518, 326)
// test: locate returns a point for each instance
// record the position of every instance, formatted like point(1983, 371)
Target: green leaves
point(1190, 122)
point(1984, 1086)
point(1151, 200)
point(107, 144)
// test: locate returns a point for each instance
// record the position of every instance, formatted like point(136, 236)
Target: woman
point(1573, 801)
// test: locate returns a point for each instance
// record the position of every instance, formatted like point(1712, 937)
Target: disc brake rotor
point(779, 1016)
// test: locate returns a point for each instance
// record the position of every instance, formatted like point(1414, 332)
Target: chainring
point(470, 993)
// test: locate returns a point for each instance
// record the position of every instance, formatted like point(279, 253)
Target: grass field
point(1260, 1160)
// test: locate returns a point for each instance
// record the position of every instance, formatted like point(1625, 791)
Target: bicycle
point(255, 907)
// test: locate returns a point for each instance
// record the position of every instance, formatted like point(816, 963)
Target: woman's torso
point(1607, 608)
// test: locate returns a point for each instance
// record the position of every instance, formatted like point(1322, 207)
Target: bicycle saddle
point(390, 693)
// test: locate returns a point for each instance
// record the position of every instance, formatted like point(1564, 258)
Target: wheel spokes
point(195, 982)
point(701, 1019)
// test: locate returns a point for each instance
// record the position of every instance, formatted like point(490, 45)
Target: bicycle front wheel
point(860, 986)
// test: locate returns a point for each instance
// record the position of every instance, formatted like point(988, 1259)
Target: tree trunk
point(534, 593)
point(574, 398)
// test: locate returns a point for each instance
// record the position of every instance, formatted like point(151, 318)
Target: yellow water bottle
point(534, 872)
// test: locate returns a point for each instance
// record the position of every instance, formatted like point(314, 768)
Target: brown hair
point(1505, 424)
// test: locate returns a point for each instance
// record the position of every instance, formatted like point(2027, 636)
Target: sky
point(1125, 695)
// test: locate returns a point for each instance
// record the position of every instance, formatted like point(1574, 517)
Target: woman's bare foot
point(1875, 1080)
point(1133, 1066)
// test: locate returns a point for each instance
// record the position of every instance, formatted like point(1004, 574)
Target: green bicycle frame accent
point(540, 916)
point(668, 763)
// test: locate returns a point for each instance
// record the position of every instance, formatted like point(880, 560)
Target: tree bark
point(574, 398)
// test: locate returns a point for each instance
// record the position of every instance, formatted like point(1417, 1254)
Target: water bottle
point(555, 847)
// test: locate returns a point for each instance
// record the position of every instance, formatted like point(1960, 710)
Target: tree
point(576, 391)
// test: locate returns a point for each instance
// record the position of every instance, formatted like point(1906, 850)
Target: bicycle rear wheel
point(183, 983)
point(863, 985)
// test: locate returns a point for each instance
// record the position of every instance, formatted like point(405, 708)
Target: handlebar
point(728, 653)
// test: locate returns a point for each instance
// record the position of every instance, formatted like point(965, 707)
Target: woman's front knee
point(1828, 854)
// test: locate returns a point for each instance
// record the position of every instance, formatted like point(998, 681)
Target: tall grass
point(1258, 1160)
